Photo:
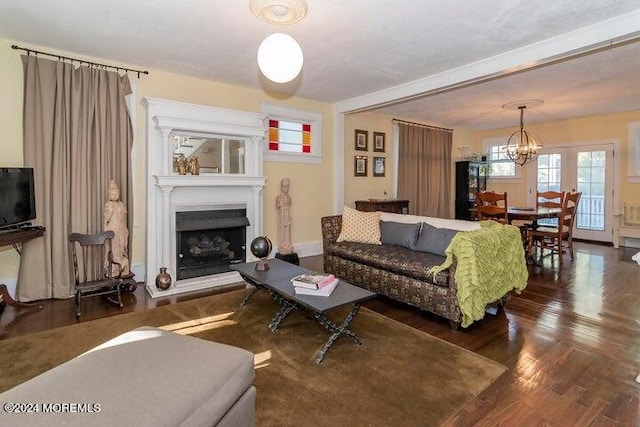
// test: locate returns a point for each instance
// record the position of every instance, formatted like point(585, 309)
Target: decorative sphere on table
point(261, 248)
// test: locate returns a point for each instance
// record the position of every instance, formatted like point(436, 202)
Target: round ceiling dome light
point(280, 58)
point(281, 12)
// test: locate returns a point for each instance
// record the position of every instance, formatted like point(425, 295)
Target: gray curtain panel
point(77, 136)
point(424, 170)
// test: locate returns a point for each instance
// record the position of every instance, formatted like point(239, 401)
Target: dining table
point(533, 214)
point(518, 213)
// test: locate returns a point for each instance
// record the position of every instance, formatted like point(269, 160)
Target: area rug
point(398, 377)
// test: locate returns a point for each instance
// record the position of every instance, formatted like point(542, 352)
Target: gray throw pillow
point(399, 234)
point(434, 240)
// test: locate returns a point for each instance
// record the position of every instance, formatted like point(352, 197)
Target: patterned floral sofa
point(401, 273)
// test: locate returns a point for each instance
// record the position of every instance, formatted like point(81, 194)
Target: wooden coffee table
point(277, 280)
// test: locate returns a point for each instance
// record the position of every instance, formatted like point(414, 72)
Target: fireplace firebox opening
point(209, 241)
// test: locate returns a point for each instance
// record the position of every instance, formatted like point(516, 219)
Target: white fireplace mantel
point(210, 180)
point(168, 192)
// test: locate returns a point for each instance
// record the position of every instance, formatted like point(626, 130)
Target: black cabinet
point(471, 177)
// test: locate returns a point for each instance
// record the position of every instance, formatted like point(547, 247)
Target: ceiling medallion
point(527, 103)
point(280, 12)
point(523, 145)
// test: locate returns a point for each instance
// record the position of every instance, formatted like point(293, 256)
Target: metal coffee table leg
point(337, 330)
point(250, 292)
point(276, 281)
point(286, 307)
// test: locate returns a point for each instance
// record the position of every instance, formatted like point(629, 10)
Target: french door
point(588, 169)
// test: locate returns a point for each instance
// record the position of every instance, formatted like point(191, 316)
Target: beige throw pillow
point(360, 227)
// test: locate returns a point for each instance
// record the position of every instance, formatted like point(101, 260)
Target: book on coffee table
point(324, 291)
point(312, 280)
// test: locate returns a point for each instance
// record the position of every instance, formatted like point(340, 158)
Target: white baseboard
point(139, 269)
point(308, 248)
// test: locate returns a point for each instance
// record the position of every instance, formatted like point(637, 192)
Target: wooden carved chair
point(491, 205)
point(560, 238)
point(93, 268)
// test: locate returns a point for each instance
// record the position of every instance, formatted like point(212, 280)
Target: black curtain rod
point(421, 124)
point(81, 61)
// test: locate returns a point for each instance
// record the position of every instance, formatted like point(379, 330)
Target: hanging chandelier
point(523, 145)
point(280, 57)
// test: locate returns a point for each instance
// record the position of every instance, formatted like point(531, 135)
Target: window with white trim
point(500, 165)
point(293, 135)
point(633, 174)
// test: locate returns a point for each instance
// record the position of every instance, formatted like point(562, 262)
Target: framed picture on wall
point(378, 166)
point(360, 166)
point(362, 140)
point(378, 142)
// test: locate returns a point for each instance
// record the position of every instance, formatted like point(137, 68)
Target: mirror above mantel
point(216, 154)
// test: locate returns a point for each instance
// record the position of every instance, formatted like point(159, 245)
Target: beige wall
point(370, 187)
point(310, 200)
point(558, 133)
point(566, 133)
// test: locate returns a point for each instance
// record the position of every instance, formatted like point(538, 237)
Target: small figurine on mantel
point(283, 205)
point(194, 166)
point(182, 166)
point(115, 219)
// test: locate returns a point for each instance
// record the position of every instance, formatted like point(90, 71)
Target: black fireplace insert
point(208, 242)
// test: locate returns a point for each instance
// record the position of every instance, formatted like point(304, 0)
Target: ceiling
point(452, 63)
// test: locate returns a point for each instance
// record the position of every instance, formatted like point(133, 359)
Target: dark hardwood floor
point(571, 340)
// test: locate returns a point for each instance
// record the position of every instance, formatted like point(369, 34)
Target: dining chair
point(93, 272)
point(544, 199)
point(549, 199)
point(559, 238)
point(492, 205)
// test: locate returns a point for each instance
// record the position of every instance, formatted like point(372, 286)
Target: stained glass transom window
point(289, 136)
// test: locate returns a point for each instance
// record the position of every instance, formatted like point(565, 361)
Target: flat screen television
point(17, 198)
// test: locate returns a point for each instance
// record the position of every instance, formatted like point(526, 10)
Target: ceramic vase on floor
point(163, 280)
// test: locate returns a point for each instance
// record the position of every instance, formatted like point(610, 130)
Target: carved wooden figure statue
point(283, 205)
point(115, 219)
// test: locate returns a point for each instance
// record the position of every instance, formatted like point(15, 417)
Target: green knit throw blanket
point(490, 263)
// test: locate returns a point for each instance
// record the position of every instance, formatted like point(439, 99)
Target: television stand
point(6, 299)
point(16, 238)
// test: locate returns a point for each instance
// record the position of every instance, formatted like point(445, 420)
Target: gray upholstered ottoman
point(145, 377)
